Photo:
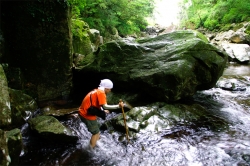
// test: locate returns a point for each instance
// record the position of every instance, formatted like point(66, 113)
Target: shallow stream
point(186, 144)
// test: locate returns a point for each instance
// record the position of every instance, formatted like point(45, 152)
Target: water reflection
point(236, 69)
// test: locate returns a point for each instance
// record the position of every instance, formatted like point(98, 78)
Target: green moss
point(79, 29)
point(201, 36)
point(46, 124)
point(81, 37)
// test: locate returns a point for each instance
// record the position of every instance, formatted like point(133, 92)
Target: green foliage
point(79, 29)
point(211, 24)
point(127, 16)
point(76, 7)
point(248, 30)
point(213, 14)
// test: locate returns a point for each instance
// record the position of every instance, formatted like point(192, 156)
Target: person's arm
point(110, 107)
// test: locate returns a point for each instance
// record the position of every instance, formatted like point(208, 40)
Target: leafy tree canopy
point(213, 14)
point(127, 16)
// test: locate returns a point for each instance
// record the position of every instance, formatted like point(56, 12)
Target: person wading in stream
point(97, 99)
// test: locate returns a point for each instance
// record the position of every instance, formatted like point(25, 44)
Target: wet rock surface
point(168, 67)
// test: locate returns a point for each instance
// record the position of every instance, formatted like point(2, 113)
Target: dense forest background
point(214, 14)
point(126, 16)
point(129, 16)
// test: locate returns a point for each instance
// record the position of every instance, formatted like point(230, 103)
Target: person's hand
point(121, 104)
point(106, 111)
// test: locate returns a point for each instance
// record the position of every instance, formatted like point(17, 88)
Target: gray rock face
point(166, 68)
point(237, 52)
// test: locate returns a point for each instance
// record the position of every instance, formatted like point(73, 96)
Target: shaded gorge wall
point(37, 53)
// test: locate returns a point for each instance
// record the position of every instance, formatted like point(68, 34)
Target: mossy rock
point(51, 130)
point(81, 37)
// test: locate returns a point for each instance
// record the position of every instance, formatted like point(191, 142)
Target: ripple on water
point(236, 69)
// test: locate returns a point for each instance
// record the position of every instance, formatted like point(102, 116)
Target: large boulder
point(168, 67)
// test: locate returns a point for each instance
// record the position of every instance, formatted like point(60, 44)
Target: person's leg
point(94, 139)
point(93, 128)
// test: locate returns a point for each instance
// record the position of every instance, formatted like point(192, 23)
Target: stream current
point(195, 144)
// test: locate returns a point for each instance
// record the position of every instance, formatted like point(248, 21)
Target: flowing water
point(195, 144)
